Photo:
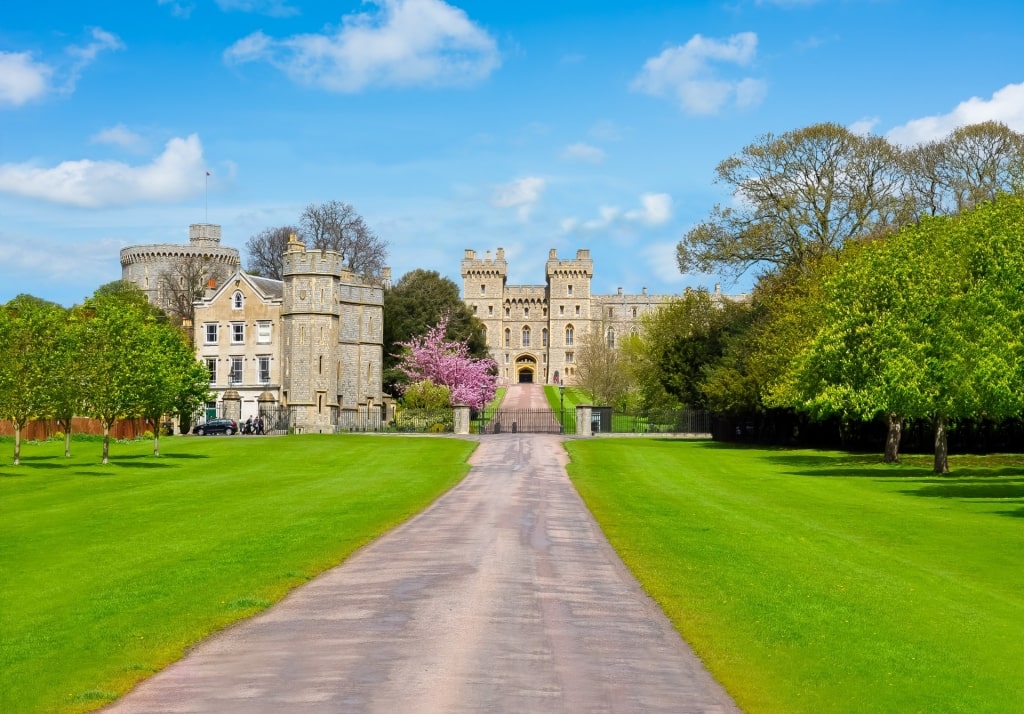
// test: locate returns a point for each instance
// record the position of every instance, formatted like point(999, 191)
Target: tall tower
point(569, 310)
point(144, 264)
point(309, 325)
point(483, 290)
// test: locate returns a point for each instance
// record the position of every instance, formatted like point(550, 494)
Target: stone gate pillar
point(583, 412)
point(232, 405)
point(461, 419)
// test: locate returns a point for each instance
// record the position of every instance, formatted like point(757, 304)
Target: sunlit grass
point(824, 582)
point(110, 573)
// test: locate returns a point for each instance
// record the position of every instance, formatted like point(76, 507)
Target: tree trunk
point(892, 441)
point(17, 444)
point(156, 437)
point(106, 442)
point(67, 443)
point(941, 447)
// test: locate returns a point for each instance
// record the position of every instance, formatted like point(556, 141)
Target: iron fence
point(681, 421)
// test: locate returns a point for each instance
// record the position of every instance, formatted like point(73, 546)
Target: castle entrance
point(526, 369)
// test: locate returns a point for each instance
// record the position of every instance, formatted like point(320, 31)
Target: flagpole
point(207, 219)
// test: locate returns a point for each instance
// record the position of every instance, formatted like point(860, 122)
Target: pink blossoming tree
point(472, 381)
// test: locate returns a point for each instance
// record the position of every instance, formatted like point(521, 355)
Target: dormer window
point(236, 300)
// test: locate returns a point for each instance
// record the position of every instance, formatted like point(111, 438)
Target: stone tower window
point(508, 312)
point(526, 337)
point(474, 309)
point(611, 337)
point(577, 311)
point(490, 310)
point(561, 309)
point(508, 337)
point(569, 290)
point(544, 337)
point(526, 312)
point(236, 300)
point(634, 312)
point(569, 333)
point(483, 289)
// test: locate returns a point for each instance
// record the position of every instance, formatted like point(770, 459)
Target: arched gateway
point(526, 369)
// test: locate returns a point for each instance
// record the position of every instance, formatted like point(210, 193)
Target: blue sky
point(528, 125)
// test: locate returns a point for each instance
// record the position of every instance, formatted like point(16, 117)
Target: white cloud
point(583, 152)
point(405, 43)
point(272, 8)
point(178, 173)
point(87, 54)
point(122, 136)
point(22, 79)
point(686, 72)
point(1006, 106)
point(179, 9)
point(661, 260)
point(655, 210)
point(521, 194)
point(863, 127)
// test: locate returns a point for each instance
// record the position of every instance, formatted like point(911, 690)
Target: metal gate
point(524, 421)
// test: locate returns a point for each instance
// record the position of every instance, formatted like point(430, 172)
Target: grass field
point(824, 582)
point(109, 573)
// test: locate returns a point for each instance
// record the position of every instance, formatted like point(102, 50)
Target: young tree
point(29, 328)
point(266, 251)
point(797, 197)
point(601, 368)
point(472, 381)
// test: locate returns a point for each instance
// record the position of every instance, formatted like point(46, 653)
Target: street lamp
point(561, 397)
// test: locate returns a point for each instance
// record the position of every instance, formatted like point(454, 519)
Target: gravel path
point(503, 596)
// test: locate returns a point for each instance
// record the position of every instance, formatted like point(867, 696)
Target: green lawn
point(109, 573)
point(824, 582)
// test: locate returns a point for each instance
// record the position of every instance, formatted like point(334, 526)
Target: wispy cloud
point(178, 8)
point(655, 210)
point(863, 127)
point(175, 174)
point(121, 136)
point(583, 152)
point(22, 79)
point(689, 74)
point(271, 8)
point(521, 194)
point(404, 43)
point(1006, 106)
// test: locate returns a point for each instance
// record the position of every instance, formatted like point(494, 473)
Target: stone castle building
point(307, 348)
point(145, 264)
point(533, 331)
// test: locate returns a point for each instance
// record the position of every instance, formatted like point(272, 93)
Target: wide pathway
point(503, 596)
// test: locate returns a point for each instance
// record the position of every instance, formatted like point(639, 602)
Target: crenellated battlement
point(484, 267)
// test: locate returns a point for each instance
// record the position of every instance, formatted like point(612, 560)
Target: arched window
point(544, 337)
point(611, 337)
point(526, 337)
point(569, 332)
point(484, 331)
point(508, 337)
point(236, 300)
point(526, 312)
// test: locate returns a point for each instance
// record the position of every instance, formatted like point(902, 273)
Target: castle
point(309, 346)
point(533, 331)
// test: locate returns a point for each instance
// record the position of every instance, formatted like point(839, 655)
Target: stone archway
point(526, 369)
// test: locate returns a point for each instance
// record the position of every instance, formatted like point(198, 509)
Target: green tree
point(416, 303)
point(797, 197)
point(924, 325)
point(678, 343)
point(29, 329)
point(426, 395)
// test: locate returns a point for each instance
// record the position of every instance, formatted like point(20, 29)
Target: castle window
point(490, 310)
point(506, 358)
point(236, 300)
point(569, 333)
point(577, 311)
point(211, 365)
point(264, 367)
point(611, 337)
point(474, 309)
point(610, 312)
point(263, 332)
point(484, 331)
point(483, 289)
point(569, 290)
point(634, 312)
point(526, 337)
point(568, 356)
point(508, 312)
point(238, 333)
point(235, 375)
point(508, 337)
point(544, 337)
point(526, 312)
point(561, 309)
point(210, 333)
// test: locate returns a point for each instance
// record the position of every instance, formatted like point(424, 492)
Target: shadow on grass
point(972, 488)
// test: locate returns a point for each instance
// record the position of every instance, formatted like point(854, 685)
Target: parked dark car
point(217, 426)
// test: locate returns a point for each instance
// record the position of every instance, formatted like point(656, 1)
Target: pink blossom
point(472, 381)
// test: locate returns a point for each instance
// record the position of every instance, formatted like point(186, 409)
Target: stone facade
point(311, 343)
point(533, 331)
point(144, 264)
